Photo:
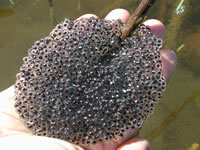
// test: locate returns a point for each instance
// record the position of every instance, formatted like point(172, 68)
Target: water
point(175, 124)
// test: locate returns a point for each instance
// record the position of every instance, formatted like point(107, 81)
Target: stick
point(136, 18)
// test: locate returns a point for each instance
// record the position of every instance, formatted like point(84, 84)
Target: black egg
point(84, 85)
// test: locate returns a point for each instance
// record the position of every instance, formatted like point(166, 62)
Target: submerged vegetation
point(175, 23)
point(180, 8)
point(180, 48)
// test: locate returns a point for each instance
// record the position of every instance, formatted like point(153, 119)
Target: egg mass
point(84, 85)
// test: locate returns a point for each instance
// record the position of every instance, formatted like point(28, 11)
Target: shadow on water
point(175, 123)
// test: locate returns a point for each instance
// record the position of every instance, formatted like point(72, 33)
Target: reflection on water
point(175, 123)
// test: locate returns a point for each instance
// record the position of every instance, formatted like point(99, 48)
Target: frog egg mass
point(84, 85)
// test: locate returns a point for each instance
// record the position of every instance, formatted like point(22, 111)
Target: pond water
point(175, 123)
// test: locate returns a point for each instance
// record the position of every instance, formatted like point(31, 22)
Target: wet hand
point(14, 135)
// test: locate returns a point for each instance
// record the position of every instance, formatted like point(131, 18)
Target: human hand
point(14, 135)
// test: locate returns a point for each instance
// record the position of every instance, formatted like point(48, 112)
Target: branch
point(136, 18)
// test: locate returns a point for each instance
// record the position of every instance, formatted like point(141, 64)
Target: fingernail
point(118, 14)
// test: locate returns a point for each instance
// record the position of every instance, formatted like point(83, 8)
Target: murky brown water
point(175, 124)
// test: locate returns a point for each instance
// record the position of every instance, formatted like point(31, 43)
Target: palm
point(14, 135)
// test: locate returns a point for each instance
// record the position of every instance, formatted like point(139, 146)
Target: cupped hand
point(15, 136)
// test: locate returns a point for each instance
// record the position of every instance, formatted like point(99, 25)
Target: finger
point(118, 14)
point(87, 16)
point(157, 28)
point(169, 61)
point(169, 58)
point(135, 144)
point(113, 15)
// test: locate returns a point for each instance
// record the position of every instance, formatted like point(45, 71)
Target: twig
point(136, 18)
